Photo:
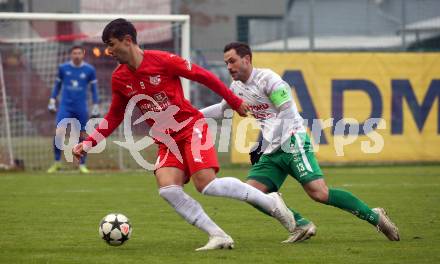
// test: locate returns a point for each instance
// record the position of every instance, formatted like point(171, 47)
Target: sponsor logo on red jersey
point(161, 104)
point(160, 97)
point(155, 80)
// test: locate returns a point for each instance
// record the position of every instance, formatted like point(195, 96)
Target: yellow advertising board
point(393, 97)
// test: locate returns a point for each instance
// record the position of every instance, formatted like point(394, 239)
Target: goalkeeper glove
point(255, 156)
point(95, 111)
point(256, 150)
point(52, 106)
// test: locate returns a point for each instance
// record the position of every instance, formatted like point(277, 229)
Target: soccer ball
point(115, 229)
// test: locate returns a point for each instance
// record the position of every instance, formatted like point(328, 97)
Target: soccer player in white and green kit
point(287, 149)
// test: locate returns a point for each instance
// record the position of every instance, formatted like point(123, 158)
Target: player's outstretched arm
point(183, 68)
point(111, 120)
point(216, 110)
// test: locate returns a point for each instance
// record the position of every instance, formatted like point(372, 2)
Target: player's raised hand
point(243, 109)
point(52, 105)
point(78, 151)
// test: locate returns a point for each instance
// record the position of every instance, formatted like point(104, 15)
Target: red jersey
point(157, 77)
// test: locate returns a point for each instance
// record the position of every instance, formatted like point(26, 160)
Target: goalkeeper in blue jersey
point(73, 80)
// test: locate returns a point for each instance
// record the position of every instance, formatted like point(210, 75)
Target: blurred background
point(318, 42)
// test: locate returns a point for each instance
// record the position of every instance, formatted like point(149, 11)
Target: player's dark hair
point(77, 47)
point(119, 28)
point(241, 48)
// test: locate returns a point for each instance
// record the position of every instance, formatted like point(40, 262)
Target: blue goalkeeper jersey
point(74, 82)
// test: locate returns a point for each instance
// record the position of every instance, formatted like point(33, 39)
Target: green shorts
point(299, 162)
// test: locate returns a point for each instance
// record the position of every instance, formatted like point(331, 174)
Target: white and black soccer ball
point(115, 229)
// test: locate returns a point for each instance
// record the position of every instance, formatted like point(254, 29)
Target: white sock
point(236, 189)
point(190, 209)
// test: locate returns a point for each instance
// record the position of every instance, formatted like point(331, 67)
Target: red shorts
point(195, 152)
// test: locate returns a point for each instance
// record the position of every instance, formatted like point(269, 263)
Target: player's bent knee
point(202, 178)
point(320, 196)
point(317, 190)
point(260, 186)
point(200, 188)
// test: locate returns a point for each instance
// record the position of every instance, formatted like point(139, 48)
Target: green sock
point(299, 219)
point(350, 203)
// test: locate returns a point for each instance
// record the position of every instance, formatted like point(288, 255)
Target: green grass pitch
point(54, 219)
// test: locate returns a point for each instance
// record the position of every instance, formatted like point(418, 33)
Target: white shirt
point(256, 93)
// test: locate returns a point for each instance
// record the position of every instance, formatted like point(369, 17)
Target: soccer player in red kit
point(178, 129)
